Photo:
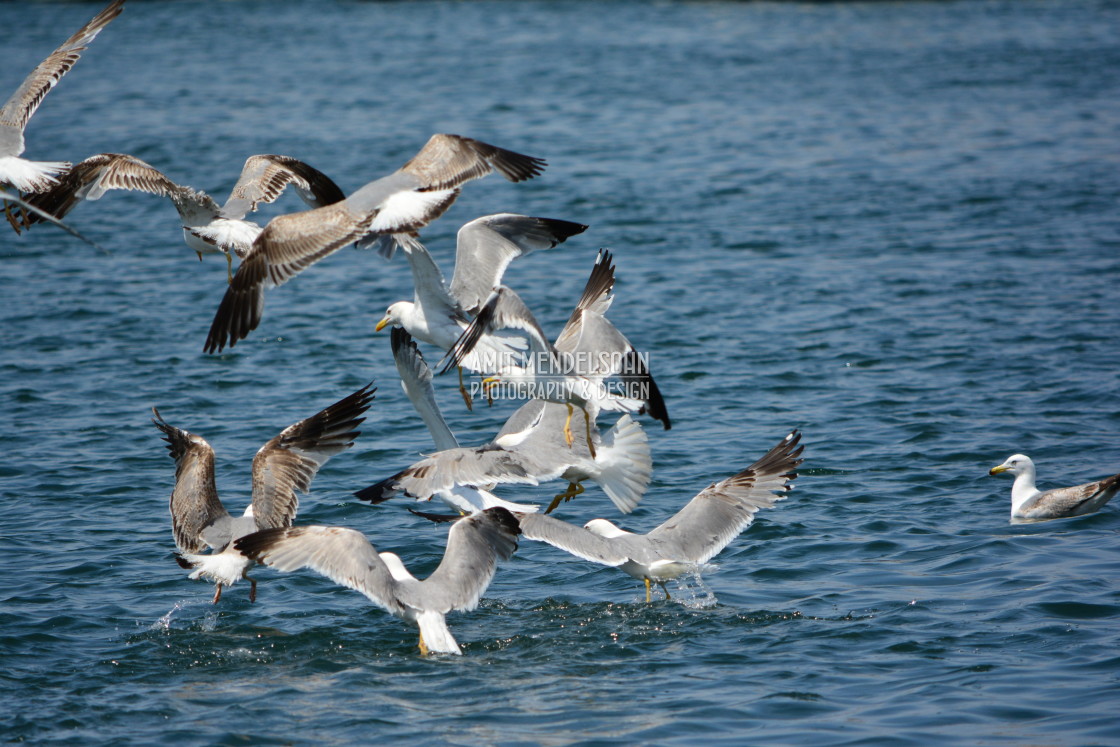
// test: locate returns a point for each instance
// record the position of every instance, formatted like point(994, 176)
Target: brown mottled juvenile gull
point(35, 176)
point(208, 228)
point(282, 468)
point(1028, 503)
point(474, 545)
point(529, 449)
point(692, 536)
point(399, 204)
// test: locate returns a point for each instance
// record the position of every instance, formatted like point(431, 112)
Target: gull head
point(604, 528)
point(1016, 464)
point(394, 315)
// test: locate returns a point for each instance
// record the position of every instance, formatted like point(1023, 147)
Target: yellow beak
point(382, 324)
point(997, 470)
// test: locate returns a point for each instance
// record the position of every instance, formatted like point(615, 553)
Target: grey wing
point(288, 245)
point(446, 161)
point(430, 288)
point(18, 109)
point(485, 247)
point(573, 539)
point(264, 178)
point(416, 379)
point(43, 216)
point(717, 515)
point(463, 466)
point(1071, 501)
point(93, 177)
point(286, 464)
point(595, 299)
point(343, 555)
point(474, 545)
point(194, 501)
point(503, 310)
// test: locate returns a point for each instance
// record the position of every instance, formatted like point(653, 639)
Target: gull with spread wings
point(35, 176)
point(394, 207)
point(282, 468)
point(208, 228)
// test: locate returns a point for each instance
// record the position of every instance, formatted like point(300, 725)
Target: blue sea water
point(891, 225)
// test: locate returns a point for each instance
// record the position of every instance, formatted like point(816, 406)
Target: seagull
point(527, 450)
point(207, 227)
point(35, 176)
point(484, 248)
point(396, 207)
point(282, 468)
point(474, 544)
point(692, 536)
point(1031, 504)
point(573, 370)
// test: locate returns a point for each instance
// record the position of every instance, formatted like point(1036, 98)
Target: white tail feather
point(30, 176)
point(625, 463)
point(226, 567)
point(437, 637)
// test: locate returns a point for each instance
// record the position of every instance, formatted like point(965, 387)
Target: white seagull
point(484, 248)
point(208, 228)
point(282, 468)
point(1028, 503)
point(575, 369)
point(692, 536)
point(397, 205)
point(474, 544)
point(35, 176)
point(529, 449)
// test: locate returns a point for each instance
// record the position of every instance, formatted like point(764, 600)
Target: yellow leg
point(229, 266)
point(568, 426)
point(663, 588)
point(463, 391)
point(218, 593)
point(10, 216)
point(574, 489)
point(587, 426)
point(647, 591)
point(423, 646)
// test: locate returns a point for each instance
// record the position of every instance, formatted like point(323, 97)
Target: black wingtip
point(436, 518)
point(379, 492)
point(505, 519)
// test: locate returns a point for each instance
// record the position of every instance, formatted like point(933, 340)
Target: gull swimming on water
point(574, 369)
point(397, 205)
point(474, 544)
point(529, 449)
point(692, 536)
point(484, 248)
point(1029, 503)
point(282, 468)
point(208, 228)
point(35, 176)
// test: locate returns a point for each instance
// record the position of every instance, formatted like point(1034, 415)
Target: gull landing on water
point(1028, 503)
point(35, 176)
point(474, 545)
point(208, 228)
point(692, 536)
point(399, 204)
point(282, 468)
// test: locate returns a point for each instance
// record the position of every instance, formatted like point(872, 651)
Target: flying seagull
point(574, 370)
point(208, 228)
point(474, 544)
point(282, 468)
point(692, 536)
point(1028, 503)
point(397, 205)
point(529, 449)
point(35, 176)
point(484, 248)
